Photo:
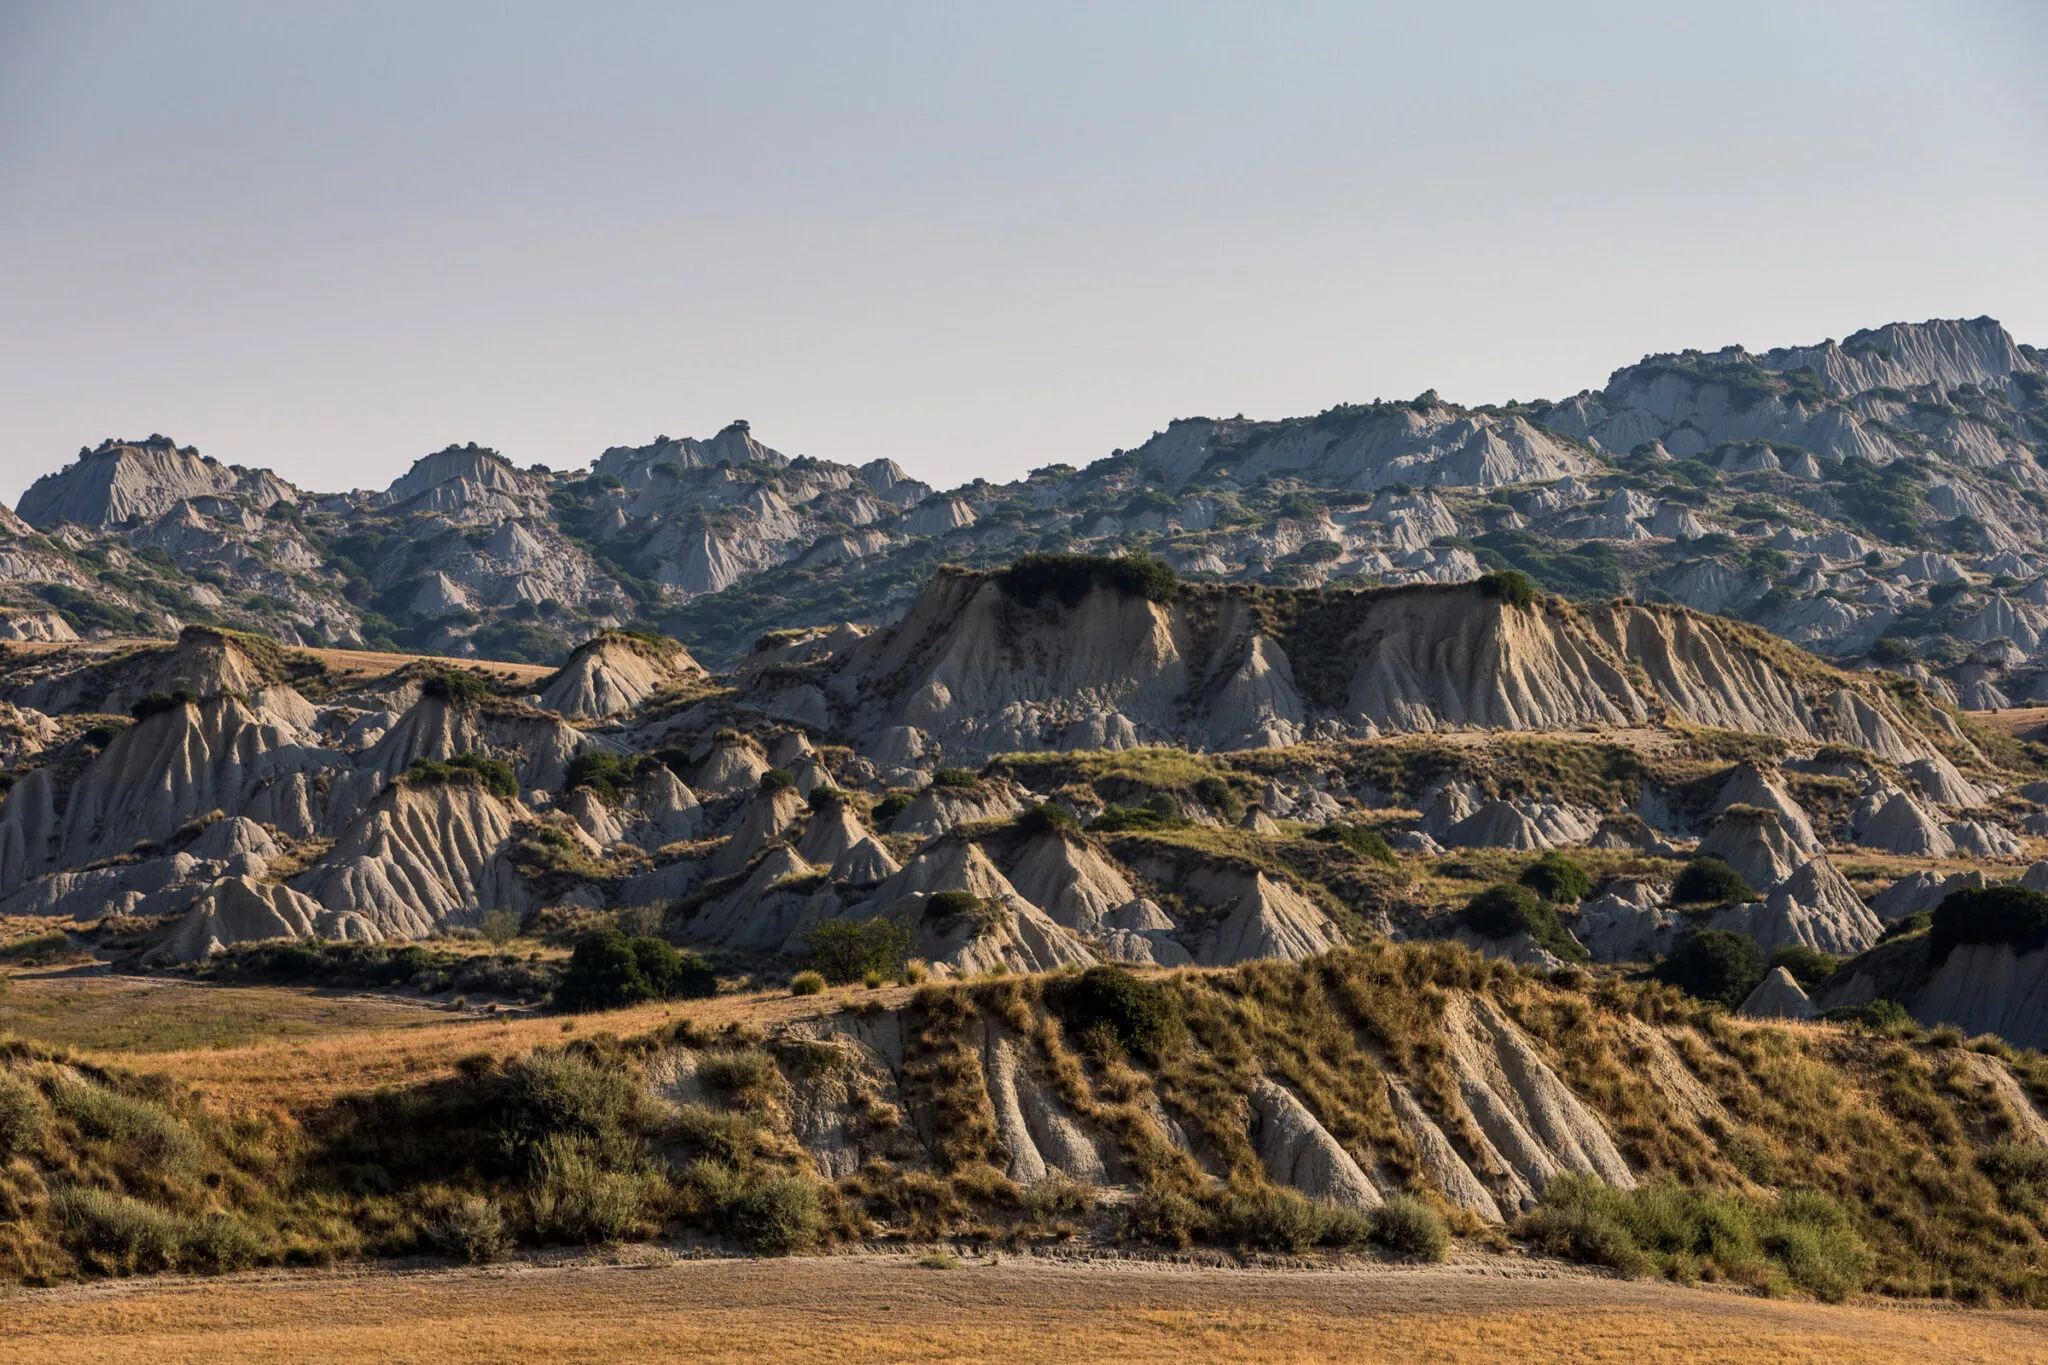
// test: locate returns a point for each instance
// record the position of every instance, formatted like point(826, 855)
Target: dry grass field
point(1019, 1311)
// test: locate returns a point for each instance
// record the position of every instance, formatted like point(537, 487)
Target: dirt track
point(1021, 1310)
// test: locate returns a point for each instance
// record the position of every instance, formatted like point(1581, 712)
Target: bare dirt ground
point(1020, 1311)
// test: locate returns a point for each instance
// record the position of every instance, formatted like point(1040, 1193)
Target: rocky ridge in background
point(1881, 497)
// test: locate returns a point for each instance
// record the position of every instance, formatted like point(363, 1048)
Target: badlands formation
point(1067, 762)
point(1710, 657)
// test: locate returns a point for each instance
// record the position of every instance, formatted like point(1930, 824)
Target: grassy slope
point(296, 1157)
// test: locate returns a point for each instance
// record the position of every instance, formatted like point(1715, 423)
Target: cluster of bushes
point(1160, 811)
point(1511, 586)
point(604, 772)
point(156, 703)
point(1070, 577)
point(1365, 842)
point(456, 685)
point(382, 966)
point(494, 775)
point(1142, 1016)
point(1046, 818)
point(1505, 910)
point(1269, 1218)
point(1804, 1241)
point(2013, 915)
point(608, 970)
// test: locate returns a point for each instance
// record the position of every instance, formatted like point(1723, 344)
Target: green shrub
point(1557, 878)
point(601, 770)
point(580, 1198)
point(24, 1123)
point(890, 806)
point(844, 951)
point(494, 775)
point(1166, 1218)
point(1215, 793)
point(959, 779)
point(117, 1235)
point(1879, 1016)
point(221, 1243)
point(1046, 818)
point(549, 1095)
point(455, 685)
point(1160, 811)
point(2013, 915)
point(824, 798)
point(607, 970)
point(1408, 1227)
point(778, 1215)
point(1809, 966)
point(807, 983)
point(471, 1229)
point(1714, 965)
point(1511, 586)
point(139, 1131)
point(1070, 577)
point(1708, 880)
point(775, 779)
point(499, 927)
point(156, 703)
point(2019, 1170)
point(1143, 1016)
point(1504, 910)
point(1360, 840)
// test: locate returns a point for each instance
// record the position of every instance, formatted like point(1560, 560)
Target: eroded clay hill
point(978, 667)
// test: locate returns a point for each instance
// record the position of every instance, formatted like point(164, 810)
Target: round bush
point(1142, 1015)
point(2012, 915)
point(1707, 880)
point(1511, 586)
point(806, 983)
point(1408, 1227)
point(1503, 911)
point(1557, 879)
point(1046, 818)
point(608, 971)
point(1715, 965)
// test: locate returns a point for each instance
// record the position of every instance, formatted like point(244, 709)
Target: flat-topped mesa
point(980, 666)
point(122, 480)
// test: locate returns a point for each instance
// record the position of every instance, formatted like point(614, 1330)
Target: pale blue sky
point(974, 237)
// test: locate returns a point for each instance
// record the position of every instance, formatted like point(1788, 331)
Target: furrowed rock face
point(120, 482)
point(971, 672)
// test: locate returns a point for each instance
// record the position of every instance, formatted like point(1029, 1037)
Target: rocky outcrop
point(1299, 1152)
point(1257, 917)
point(616, 672)
point(120, 481)
point(1777, 996)
point(422, 858)
point(238, 910)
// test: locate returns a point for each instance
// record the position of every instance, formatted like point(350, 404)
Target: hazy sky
point(977, 238)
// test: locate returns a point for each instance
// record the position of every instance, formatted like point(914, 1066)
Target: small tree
point(1142, 1015)
point(1511, 586)
point(1708, 880)
point(499, 927)
point(844, 951)
point(1557, 879)
point(1715, 965)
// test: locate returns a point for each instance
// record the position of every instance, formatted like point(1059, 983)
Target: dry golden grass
point(1020, 1311)
point(296, 1072)
point(123, 1017)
